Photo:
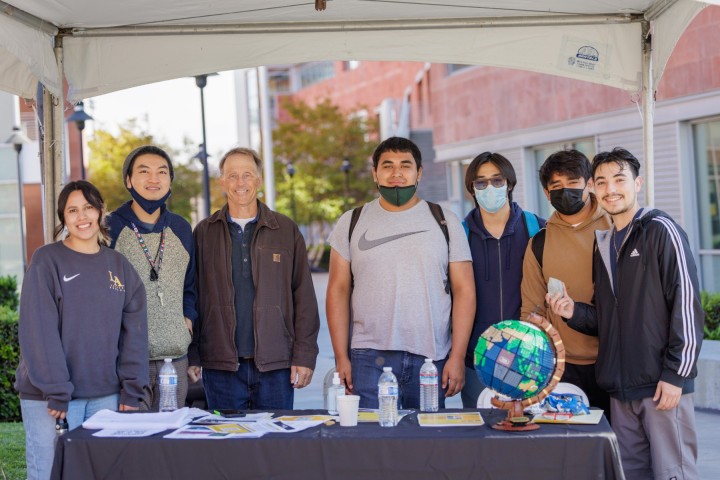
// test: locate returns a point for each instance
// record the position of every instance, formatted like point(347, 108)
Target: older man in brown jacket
point(256, 335)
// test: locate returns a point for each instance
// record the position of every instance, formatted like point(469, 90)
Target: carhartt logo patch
point(276, 257)
point(635, 253)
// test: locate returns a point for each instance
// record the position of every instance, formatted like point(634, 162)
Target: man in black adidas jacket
point(649, 320)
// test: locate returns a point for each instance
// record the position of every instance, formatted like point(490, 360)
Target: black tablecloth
point(363, 452)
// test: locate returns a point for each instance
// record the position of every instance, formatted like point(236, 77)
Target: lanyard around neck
point(155, 265)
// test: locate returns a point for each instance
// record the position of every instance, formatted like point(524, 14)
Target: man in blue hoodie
point(159, 244)
point(498, 231)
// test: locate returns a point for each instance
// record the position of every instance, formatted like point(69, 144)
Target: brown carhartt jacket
point(286, 320)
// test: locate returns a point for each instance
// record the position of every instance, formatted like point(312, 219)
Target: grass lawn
point(12, 451)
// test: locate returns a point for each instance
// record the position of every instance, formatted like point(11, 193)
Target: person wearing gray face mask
point(498, 231)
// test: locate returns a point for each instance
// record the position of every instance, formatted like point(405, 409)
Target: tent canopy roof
point(110, 45)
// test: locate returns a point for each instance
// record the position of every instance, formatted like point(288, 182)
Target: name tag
point(276, 257)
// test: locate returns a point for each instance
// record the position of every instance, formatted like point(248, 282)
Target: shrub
point(8, 292)
point(711, 305)
point(9, 359)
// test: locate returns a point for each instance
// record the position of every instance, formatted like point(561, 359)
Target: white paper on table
point(213, 419)
point(128, 432)
point(215, 432)
point(142, 420)
point(287, 426)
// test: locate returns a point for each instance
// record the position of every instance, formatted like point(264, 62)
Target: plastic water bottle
point(336, 390)
point(168, 387)
point(428, 387)
point(388, 398)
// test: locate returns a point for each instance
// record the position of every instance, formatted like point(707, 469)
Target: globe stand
point(516, 421)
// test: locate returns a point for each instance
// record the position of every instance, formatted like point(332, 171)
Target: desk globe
point(522, 361)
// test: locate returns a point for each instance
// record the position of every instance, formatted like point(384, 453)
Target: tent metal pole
point(648, 111)
point(340, 26)
point(54, 167)
point(48, 167)
point(267, 141)
point(27, 19)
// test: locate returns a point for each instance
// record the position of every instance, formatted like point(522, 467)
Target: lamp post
point(201, 82)
point(79, 116)
point(290, 169)
point(345, 168)
point(17, 139)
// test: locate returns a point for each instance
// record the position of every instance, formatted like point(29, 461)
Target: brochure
point(373, 414)
point(456, 419)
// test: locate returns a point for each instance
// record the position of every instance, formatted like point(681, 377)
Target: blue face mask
point(492, 198)
point(149, 205)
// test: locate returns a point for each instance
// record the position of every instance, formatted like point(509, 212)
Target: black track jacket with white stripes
point(650, 320)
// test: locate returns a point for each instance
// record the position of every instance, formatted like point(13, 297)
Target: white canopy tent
point(100, 46)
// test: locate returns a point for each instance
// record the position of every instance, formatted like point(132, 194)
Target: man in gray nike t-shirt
point(393, 273)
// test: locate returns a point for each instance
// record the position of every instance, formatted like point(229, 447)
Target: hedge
point(9, 359)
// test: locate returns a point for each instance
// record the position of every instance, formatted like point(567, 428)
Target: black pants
point(583, 376)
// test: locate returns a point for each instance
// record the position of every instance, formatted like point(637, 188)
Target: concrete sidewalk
point(707, 421)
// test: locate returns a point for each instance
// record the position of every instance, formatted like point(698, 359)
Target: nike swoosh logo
point(365, 244)
point(67, 279)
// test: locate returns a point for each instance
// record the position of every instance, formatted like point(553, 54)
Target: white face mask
point(492, 198)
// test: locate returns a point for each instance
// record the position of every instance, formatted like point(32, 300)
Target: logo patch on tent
point(588, 53)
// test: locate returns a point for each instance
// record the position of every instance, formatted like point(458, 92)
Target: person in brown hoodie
point(567, 255)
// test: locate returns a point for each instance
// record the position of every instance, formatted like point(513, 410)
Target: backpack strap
point(466, 228)
point(353, 220)
point(532, 223)
point(439, 216)
point(538, 245)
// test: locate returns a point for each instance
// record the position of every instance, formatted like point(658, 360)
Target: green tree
point(107, 154)
point(316, 140)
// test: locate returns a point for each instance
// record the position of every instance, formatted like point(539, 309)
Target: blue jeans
point(40, 429)
point(471, 390)
point(248, 388)
point(367, 366)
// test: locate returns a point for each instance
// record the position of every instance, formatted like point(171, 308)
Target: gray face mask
point(491, 199)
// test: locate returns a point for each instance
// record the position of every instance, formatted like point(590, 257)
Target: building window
point(314, 72)
point(540, 154)
point(10, 248)
point(706, 147)
point(456, 67)
point(279, 81)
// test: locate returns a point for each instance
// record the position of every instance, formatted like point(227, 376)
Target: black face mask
point(567, 201)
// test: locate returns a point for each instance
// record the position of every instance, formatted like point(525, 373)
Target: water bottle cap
point(428, 360)
point(387, 369)
point(167, 360)
point(336, 378)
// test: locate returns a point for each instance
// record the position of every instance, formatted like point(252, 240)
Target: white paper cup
point(347, 406)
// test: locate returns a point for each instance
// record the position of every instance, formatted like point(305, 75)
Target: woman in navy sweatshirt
point(83, 329)
point(498, 231)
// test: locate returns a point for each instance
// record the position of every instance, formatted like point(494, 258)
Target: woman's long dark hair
point(93, 197)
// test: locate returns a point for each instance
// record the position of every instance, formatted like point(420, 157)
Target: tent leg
point(266, 136)
point(648, 111)
point(53, 173)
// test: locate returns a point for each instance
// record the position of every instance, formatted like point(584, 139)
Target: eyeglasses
point(496, 182)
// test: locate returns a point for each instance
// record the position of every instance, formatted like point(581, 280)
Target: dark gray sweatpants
point(656, 444)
